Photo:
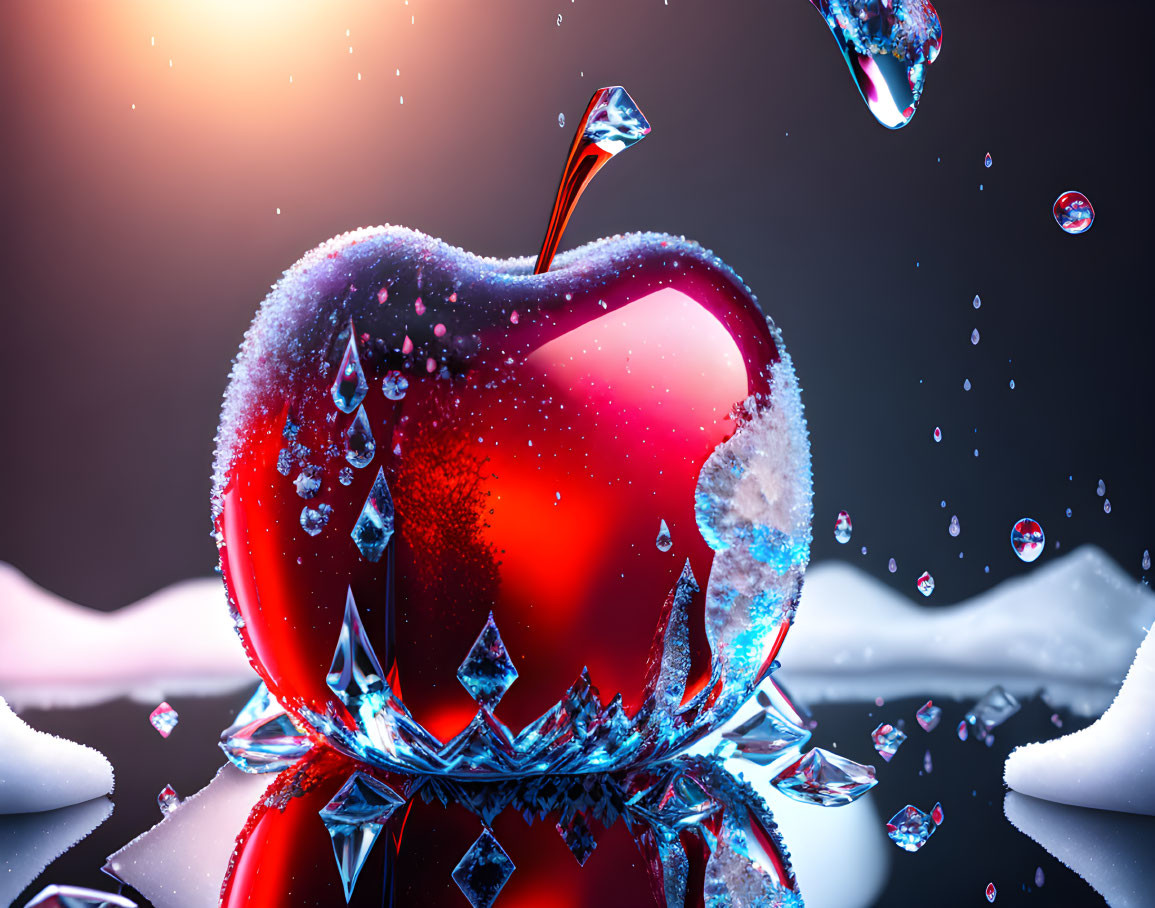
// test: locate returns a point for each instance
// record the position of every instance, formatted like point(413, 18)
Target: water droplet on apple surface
point(359, 444)
point(561, 120)
point(1101, 489)
point(664, 541)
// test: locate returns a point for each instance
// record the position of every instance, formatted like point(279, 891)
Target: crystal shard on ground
point(487, 671)
point(825, 778)
point(483, 872)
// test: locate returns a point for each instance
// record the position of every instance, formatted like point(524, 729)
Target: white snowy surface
point(1070, 628)
point(1110, 764)
point(39, 771)
point(176, 641)
point(29, 842)
point(181, 862)
point(1111, 851)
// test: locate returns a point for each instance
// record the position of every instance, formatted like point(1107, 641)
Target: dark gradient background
point(138, 242)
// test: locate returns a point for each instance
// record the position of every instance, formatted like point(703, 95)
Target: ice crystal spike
point(350, 387)
point(359, 443)
point(664, 541)
point(825, 778)
point(374, 528)
point(996, 706)
point(910, 828)
point(355, 817)
point(1073, 212)
point(763, 737)
point(483, 872)
point(843, 527)
point(1027, 539)
point(77, 897)
point(263, 738)
point(928, 716)
point(355, 672)
point(487, 671)
point(578, 836)
point(888, 47)
point(668, 663)
point(887, 740)
point(164, 719)
point(167, 800)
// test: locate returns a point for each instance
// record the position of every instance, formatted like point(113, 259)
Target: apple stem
point(587, 155)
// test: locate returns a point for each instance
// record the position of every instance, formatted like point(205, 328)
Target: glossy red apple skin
point(549, 426)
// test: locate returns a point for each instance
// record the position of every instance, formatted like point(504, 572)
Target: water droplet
point(394, 385)
point(892, 565)
point(822, 777)
point(559, 19)
point(374, 528)
point(345, 476)
point(987, 160)
point(1101, 490)
point(937, 434)
point(966, 384)
point(991, 892)
point(1027, 539)
point(1145, 562)
point(927, 765)
point(928, 716)
point(313, 520)
point(888, 52)
point(975, 337)
point(359, 444)
point(962, 730)
point(419, 306)
point(843, 527)
point(1039, 878)
point(925, 583)
point(977, 302)
point(1012, 384)
point(910, 828)
point(164, 719)
point(1068, 512)
point(664, 541)
point(1106, 505)
point(1073, 212)
point(561, 120)
point(954, 529)
point(350, 387)
point(308, 481)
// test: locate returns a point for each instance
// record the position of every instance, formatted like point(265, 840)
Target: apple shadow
point(1111, 851)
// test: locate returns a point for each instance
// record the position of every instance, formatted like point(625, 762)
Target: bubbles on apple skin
point(925, 583)
point(313, 520)
point(664, 542)
point(1073, 212)
point(1027, 539)
point(395, 385)
point(954, 529)
point(843, 527)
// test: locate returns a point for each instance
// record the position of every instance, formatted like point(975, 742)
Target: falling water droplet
point(395, 385)
point(1027, 539)
point(1106, 505)
point(1068, 512)
point(892, 565)
point(561, 120)
point(1145, 563)
point(359, 443)
point(925, 583)
point(966, 384)
point(1073, 212)
point(1039, 878)
point(954, 529)
point(1101, 490)
point(1012, 384)
point(975, 337)
point(991, 892)
point(977, 302)
point(843, 527)
point(888, 52)
point(664, 542)
point(350, 387)
point(987, 160)
point(937, 434)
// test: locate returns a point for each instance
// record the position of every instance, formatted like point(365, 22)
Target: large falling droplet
point(1027, 539)
point(1145, 563)
point(975, 337)
point(350, 387)
point(966, 384)
point(664, 541)
point(359, 444)
point(892, 565)
point(1101, 490)
point(954, 529)
point(1073, 212)
point(925, 583)
point(843, 527)
point(374, 528)
point(888, 47)
point(977, 302)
